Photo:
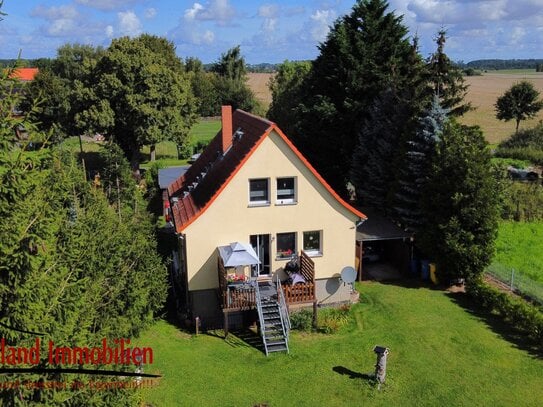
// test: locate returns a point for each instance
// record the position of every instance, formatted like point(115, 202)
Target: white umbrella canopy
point(238, 254)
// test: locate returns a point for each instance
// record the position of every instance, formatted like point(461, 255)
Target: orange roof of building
point(212, 171)
point(24, 74)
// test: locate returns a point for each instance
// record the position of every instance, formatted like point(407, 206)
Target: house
point(252, 186)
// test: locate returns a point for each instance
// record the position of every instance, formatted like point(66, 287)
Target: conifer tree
point(447, 80)
point(460, 205)
point(414, 172)
point(373, 172)
point(365, 53)
point(70, 271)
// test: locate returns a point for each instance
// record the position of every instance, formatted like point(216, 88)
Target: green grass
point(166, 151)
point(205, 130)
point(520, 246)
point(515, 71)
point(441, 354)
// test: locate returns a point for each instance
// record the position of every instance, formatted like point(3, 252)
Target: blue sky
point(267, 30)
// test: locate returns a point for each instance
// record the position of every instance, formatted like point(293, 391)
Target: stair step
point(277, 348)
point(276, 342)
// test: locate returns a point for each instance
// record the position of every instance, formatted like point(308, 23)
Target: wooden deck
point(241, 297)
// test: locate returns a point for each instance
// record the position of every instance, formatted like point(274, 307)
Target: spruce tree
point(373, 172)
point(414, 172)
point(447, 80)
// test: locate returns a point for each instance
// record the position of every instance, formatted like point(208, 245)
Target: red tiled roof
point(219, 169)
point(24, 74)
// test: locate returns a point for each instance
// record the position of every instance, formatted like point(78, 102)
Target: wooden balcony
point(241, 297)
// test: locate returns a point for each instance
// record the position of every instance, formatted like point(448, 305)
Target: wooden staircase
point(273, 316)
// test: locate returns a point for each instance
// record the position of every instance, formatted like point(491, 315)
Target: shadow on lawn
point(498, 325)
point(246, 338)
point(353, 375)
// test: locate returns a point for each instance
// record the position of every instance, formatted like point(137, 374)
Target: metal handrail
point(285, 320)
point(260, 315)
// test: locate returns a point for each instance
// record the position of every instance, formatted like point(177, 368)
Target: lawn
point(520, 246)
point(442, 353)
point(166, 152)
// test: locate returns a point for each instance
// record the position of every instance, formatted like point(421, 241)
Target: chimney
point(227, 127)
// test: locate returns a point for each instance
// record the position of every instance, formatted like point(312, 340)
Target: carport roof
point(377, 227)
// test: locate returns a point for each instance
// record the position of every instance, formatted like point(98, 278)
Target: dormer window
point(286, 190)
point(259, 191)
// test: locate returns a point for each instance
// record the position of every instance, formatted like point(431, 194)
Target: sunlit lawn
point(166, 151)
point(442, 354)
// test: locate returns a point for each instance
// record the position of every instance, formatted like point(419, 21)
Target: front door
point(261, 245)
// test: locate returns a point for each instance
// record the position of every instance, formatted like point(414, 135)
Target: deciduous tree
point(520, 102)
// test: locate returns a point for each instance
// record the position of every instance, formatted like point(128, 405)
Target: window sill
point(281, 203)
point(314, 254)
point(258, 204)
point(277, 258)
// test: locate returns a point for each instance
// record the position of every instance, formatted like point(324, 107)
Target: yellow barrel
point(433, 276)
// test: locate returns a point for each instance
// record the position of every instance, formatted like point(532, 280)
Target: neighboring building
point(24, 74)
point(251, 185)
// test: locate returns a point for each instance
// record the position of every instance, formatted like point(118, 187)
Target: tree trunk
point(135, 164)
point(516, 129)
point(152, 150)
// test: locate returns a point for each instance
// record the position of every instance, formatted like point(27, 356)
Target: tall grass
point(520, 246)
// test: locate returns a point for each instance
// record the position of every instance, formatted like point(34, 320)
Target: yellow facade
point(231, 218)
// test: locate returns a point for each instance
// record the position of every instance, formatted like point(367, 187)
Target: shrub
point(330, 320)
point(521, 315)
point(302, 320)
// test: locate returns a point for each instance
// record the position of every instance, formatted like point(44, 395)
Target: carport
point(379, 240)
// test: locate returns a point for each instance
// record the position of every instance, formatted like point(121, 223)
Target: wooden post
point(197, 323)
point(360, 263)
point(315, 319)
point(225, 324)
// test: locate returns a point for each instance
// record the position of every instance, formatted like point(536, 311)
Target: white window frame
point(279, 256)
point(286, 201)
point(312, 252)
point(262, 202)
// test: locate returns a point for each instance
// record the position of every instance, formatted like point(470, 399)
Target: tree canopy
point(520, 102)
point(460, 202)
point(71, 269)
point(365, 53)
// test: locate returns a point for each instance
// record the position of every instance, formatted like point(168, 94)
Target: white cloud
point(269, 25)
point(65, 21)
point(129, 23)
point(190, 14)
point(109, 31)
point(321, 21)
point(207, 37)
point(108, 4)
point(268, 10)
point(219, 11)
point(150, 13)
point(55, 13)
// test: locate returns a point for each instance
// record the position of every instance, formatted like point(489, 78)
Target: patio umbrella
point(238, 254)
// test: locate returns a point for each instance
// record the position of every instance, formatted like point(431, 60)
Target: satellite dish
point(348, 275)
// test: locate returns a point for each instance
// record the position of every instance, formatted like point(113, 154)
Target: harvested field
point(258, 82)
point(482, 93)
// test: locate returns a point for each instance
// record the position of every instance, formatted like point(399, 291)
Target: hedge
point(521, 315)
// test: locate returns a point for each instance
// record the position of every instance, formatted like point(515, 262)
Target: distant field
point(482, 93)
point(258, 82)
